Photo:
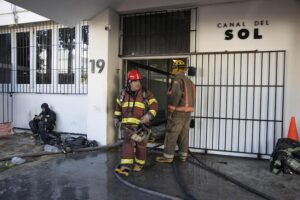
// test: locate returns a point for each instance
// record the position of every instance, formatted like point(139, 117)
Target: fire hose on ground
point(88, 149)
point(199, 163)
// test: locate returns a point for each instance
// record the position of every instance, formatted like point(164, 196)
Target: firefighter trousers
point(133, 152)
point(177, 132)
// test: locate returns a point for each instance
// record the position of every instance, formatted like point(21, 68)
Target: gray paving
point(91, 176)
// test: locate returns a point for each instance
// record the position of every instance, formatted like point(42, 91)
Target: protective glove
point(138, 137)
point(146, 118)
point(116, 122)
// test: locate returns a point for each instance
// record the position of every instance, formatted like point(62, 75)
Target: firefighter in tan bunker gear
point(135, 107)
point(181, 103)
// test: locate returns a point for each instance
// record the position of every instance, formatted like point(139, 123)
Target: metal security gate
point(240, 98)
point(5, 107)
point(6, 100)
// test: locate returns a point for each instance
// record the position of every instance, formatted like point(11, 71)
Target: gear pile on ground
point(78, 142)
point(69, 143)
point(286, 157)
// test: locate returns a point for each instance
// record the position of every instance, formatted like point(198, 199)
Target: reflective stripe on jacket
point(181, 94)
point(132, 108)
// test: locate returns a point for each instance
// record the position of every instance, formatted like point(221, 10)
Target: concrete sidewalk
point(91, 176)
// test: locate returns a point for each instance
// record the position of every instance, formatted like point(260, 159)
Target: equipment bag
point(284, 157)
point(76, 142)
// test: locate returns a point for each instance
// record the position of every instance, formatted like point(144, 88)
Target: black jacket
point(50, 115)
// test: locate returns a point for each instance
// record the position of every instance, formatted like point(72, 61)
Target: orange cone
point(293, 133)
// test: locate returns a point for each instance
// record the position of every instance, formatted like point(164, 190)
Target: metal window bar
point(45, 57)
point(5, 78)
point(240, 101)
point(157, 33)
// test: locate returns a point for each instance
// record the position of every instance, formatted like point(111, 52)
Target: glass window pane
point(156, 33)
point(5, 58)
point(43, 56)
point(23, 58)
point(66, 55)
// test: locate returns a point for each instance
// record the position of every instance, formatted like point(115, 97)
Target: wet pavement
point(80, 176)
point(85, 176)
point(19, 143)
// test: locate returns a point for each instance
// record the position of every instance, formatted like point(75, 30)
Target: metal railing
point(165, 32)
point(240, 101)
point(44, 57)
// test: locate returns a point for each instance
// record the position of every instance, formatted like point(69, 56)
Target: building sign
point(242, 30)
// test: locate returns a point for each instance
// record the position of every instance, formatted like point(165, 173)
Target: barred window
point(23, 57)
point(5, 58)
point(44, 57)
point(155, 33)
point(66, 55)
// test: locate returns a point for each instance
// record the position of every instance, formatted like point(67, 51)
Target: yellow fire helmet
point(178, 66)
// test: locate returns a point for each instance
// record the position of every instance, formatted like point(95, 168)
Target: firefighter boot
point(183, 158)
point(137, 168)
point(122, 170)
point(163, 159)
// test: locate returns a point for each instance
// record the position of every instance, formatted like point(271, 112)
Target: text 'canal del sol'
point(244, 32)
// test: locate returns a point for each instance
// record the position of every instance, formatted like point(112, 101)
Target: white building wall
point(114, 78)
point(279, 31)
point(281, 34)
point(71, 110)
point(97, 82)
point(282, 17)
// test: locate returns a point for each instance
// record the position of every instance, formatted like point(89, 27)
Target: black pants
point(41, 128)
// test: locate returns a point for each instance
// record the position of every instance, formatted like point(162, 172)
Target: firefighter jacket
point(132, 106)
point(181, 94)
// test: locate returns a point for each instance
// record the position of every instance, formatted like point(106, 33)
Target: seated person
point(43, 123)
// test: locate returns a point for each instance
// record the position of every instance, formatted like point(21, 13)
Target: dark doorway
point(156, 73)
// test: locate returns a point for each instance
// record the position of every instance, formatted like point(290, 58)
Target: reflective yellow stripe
point(136, 104)
point(152, 101)
point(118, 113)
point(153, 112)
point(126, 161)
point(118, 101)
point(141, 162)
point(131, 120)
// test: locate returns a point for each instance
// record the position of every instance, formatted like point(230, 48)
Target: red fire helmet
point(134, 75)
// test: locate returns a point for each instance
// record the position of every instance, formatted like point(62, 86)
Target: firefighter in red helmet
point(134, 109)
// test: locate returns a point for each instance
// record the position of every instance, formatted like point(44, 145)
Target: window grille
point(44, 57)
point(157, 33)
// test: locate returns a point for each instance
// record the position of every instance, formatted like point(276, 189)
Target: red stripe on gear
point(186, 94)
point(194, 95)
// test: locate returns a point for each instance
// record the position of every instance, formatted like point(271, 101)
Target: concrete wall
point(282, 33)
point(103, 86)
point(97, 87)
point(71, 110)
point(113, 75)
